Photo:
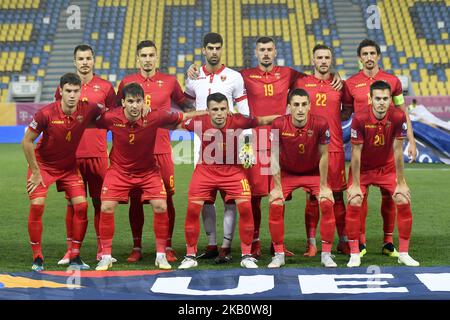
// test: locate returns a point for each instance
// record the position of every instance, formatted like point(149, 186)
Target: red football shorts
point(69, 181)
point(93, 171)
point(384, 177)
point(291, 182)
point(336, 171)
point(208, 179)
point(117, 186)
point(166, 168)
point(259, 174)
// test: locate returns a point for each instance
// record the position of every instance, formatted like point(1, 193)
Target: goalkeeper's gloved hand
point(246, 156)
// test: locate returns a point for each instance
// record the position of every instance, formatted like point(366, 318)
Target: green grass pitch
point(429, 186)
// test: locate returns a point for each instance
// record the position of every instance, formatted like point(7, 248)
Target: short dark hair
point(133, 89)
point(82, 47)
point(265, 40)
point(145, 44)
point(368, 43)
point(212, 37)
point(414, 101)
point(216, 97)
point(297, 92)
point(379, 85)
point(321, 47)
point(70, 78)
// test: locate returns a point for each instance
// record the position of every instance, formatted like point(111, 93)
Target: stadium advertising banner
point(437, 105)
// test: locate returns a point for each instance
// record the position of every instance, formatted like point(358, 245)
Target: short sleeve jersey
point(299, 147)
point(61, 133)
point(219, 146)
point(159, 91)
point(134, 142)
point(93, 143)
point(325, 102)
point(357, 90)
point(377, 137)
point(225, 80)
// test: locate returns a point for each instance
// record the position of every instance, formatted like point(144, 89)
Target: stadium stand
point(414, 35)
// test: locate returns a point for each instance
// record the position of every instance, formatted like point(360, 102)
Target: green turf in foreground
point(429, 244)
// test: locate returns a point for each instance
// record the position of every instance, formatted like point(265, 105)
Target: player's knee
point(356, 201)
point(159, 206)
point(400, 199)
point(107, 208)
point(277, 202)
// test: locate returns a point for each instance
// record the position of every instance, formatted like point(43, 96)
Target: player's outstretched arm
point(186, 116)
point(28, 149)
point(355, 188)
point(266, 120)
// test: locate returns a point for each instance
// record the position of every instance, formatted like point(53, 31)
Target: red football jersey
point(325, 102)
point(61, 133)
point(159, 90)
point(134, 142)
point(357, 90)
point(93, 142)
point(267, 94)
point(299, 147)
point(377, 137)
point(219, 146)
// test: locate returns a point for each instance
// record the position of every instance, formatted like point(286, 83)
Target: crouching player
point(218, 169)
point(300, 140)
point(377, 159)
point(133, 166)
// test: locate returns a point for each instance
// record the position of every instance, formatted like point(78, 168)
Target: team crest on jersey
point(277, 75)
point(80, 118)
point(223, 77)
point(388, 124)
point(310, 133)
point(144, 122)
point(33, 124)
point(160, 83)
point(96, 87)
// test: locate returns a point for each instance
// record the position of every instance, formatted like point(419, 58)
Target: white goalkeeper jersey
point(226, 81)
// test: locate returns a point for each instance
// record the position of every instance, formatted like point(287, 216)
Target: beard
point(214, 62)
point(266, 65)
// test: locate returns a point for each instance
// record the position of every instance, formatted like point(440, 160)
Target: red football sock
point(246, 228)
point(192, 227)
point(97, 207)
point(35, 229)
point(171, 213)
point(256, 211)
point(311, 216)
point(80, 223)
point(107, 229)
point(353, 227)
point(404, 225)
point(339, 215)
point(276, 226)
point(69, 226)
point(161, 230)
point(388, 214)
point(364, 211)
point(327, 225)
point(136, 217)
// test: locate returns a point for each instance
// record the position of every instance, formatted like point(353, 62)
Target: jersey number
point(69, 136)
point(148, 99)
point(379, 140)
point(131, 138)
point(245, 185)
point(301, 148)
point(321, 99)
point(268, 90)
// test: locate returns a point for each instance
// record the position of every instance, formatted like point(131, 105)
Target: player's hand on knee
point(276, 194)
point(34, 181)
point(354, 194)
point(402, 194)
point(326, 194)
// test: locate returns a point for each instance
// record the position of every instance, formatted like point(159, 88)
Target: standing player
point(62, 124)
point(267, 88)
point(219, 169)
point(133, 166)
point(377, 159)
point(326, 102)
point(160, 91)
point(92, 152)
point(215, 77)
point(301, 143)
point(356, 98)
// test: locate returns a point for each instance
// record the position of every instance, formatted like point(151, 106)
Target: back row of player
point(266, 86)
